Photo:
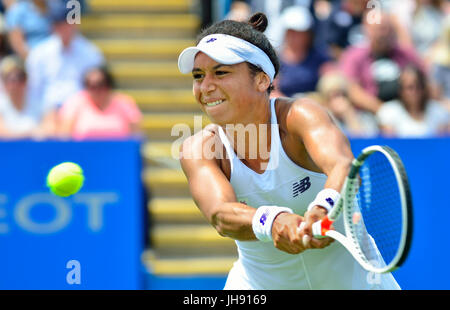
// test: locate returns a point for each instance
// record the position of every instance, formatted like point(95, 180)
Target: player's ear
point(262, 82)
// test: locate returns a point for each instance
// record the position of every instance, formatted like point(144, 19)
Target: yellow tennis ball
point(65, 179)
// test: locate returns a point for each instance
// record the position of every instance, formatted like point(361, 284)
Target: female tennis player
point(260, 198)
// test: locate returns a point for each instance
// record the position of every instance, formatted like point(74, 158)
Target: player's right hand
point(285, 234)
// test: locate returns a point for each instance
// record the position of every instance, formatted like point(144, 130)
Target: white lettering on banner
point(74, 275)
point(63, 208)
point(25, 205)
point(95, 203)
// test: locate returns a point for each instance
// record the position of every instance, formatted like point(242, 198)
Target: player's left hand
point(315, 214)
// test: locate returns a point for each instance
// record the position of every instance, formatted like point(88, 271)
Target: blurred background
point(96, 82)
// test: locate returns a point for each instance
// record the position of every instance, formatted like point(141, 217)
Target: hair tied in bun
point(258, 21)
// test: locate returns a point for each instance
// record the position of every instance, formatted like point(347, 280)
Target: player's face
point(224, 92)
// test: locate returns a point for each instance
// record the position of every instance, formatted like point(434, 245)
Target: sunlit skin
point(308, 136)
point(241, 105)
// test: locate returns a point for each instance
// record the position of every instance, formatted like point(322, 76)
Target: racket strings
point(377, 211)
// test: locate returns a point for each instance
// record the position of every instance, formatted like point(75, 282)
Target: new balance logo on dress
point(300, 187)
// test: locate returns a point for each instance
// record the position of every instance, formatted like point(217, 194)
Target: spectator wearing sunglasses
point(98, 112)
point(17, 118)
point(414, 114)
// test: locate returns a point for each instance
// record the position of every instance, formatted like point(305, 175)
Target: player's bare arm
point(211, 190)
point(215, 197)
point(327, 147)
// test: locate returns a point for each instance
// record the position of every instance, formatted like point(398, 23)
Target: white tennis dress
point(260, 264)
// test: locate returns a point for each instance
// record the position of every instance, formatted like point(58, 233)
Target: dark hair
point(109, 79)
point(251, 31)
point(422, 80)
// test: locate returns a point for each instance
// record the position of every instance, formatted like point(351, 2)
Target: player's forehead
point(202, 62)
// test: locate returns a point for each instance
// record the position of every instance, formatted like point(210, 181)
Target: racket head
point(378, 209)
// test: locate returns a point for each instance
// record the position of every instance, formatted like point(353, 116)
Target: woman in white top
point(17, 118)
point(414, 114)
point(259, 189)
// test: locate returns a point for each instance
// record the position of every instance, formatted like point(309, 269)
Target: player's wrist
point(263, 221)
point(326, 198)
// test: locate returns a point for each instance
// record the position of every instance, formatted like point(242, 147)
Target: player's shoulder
point(303, 110)
point(201, 145)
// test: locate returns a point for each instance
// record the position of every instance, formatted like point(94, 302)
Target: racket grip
point(319, 228)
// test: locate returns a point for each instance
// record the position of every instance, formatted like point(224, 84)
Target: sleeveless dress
point(262, 266)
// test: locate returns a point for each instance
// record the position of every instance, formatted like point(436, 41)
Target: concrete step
point(161, 154)
point(142, 49)
point(189, 239)
point(172, 127)
point(164, 100)
point(140, 5)
point(166, 182)
point(156, 74)
point(140, 24)
point(175, 210)
point(208, 265)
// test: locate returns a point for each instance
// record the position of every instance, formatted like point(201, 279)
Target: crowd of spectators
point(54, 82)
point(382, 68)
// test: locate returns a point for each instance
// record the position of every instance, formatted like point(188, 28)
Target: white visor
point(227, 50)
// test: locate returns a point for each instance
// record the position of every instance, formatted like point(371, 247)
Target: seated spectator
point(332, 87)
point(28, 24)
point(421, 19)
point(56, 67)
point(440, 65)
point(98, 112)
point(300, 61)
point(374, 68)
point(5, 50)
point(414, 114)
point(17, 118)
point(5, 4)
point(241, 10)
point(343, 26)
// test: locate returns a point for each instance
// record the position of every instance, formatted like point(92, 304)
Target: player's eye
point(197, 76)
point(221, 72)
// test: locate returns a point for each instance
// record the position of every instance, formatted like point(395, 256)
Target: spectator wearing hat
point(17, 118)
point(242, 9)
point(28, 24)
point(300, 60)
point(57, 66)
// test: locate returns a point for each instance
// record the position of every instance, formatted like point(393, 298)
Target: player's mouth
point(214, 103)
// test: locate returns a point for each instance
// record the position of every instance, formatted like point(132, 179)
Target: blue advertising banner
point(426, 268)
point(91, 240)
point(427, 165)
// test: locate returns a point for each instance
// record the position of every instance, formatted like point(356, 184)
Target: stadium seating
point(141, 41)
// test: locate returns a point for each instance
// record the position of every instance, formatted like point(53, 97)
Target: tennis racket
point(377, 208)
